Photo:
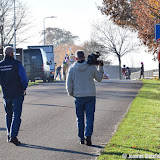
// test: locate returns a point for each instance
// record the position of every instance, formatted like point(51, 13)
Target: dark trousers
point(85, 105)
point(13, 108)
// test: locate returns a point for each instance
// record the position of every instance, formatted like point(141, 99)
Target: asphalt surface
point(49, 130)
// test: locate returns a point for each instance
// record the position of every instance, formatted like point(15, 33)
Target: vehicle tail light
point(43, 67)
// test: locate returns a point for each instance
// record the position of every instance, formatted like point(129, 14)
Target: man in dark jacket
point(13, 81)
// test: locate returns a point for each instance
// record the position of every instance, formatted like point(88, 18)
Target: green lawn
point(32, 83)
point(138, 135)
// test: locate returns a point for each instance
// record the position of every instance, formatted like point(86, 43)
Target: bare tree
point(57, 36)
point(116, 40)
point(7, 21)
point(92, 46)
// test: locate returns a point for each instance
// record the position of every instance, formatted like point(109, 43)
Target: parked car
point(105, 76)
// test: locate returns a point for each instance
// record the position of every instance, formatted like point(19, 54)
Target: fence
point(147, 74)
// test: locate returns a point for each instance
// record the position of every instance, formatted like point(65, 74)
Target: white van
point(50, 55)
point(36, 64)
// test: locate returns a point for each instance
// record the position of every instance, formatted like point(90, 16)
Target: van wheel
point(44, 80)
point(33, 80)
point(50, 79)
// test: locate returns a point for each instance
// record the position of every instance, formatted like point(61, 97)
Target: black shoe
point(88, 140)
point(15, 141)
point(81, 141)
point(8, 138)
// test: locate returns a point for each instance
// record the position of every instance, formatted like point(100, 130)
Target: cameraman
point(80, 84)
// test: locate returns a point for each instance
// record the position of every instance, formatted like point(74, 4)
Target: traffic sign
point(157, 32)
point(158, 55)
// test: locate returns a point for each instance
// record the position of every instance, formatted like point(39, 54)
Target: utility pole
point(1, 32)
point(44, 27)
point(14, 29)
point(1, 28)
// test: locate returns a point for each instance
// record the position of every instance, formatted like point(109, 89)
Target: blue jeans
point(85, 105)
point(58, 73)
point(13, 108)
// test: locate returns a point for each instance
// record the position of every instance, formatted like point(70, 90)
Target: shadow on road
point(2, 129)
point(57, 150)
point(49, 105)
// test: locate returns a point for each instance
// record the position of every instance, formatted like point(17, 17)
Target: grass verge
point(137, 136)
point(32, 83)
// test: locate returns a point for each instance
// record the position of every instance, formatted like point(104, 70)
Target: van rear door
point(33, 64)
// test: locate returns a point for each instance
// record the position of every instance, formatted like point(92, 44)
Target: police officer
point(13, 81)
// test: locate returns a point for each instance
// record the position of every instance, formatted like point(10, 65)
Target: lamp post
point(44, 25)
point(14, 29)
point(1, 32)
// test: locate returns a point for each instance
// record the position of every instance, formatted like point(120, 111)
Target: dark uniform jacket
point(13, 79)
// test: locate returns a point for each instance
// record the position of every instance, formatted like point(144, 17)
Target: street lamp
point(44, 25)
point(1, 32)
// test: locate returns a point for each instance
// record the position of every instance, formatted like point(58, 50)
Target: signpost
point(157, 39)
point(157, 32)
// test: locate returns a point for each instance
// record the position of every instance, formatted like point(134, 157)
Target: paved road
point(49, 131)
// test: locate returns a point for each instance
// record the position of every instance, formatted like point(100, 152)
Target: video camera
point(92, 59)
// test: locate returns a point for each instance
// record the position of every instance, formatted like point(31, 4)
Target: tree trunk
point(120, 74)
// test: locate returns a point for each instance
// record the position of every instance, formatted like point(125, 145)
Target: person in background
point(81, 85)
point(58, 72)
point(13, 81)
point(141, 70)
point(124, 71)
point(128, 73)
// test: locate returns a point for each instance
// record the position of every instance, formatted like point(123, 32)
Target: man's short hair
point(79, 54)
point(8, 50)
